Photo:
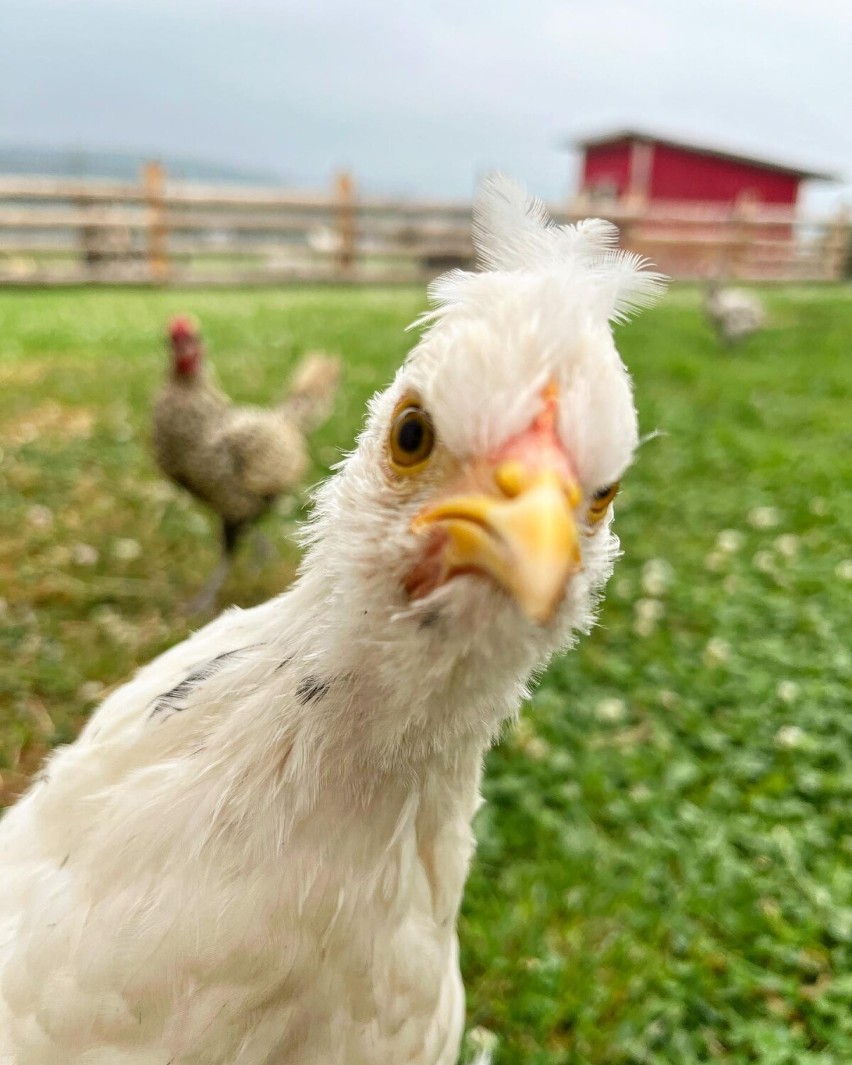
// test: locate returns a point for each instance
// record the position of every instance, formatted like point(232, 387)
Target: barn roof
point(700, 149)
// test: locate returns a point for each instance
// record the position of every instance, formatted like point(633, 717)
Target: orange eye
point(601, 500)
point(412, 438)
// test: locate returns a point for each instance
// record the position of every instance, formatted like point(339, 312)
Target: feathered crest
point(513, 231)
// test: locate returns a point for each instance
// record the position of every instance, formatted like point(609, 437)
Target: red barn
point(633, 168)
point(697, 211)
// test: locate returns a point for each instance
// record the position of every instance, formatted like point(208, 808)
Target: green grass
point(665, 863)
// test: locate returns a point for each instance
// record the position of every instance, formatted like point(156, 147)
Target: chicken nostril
point(512, 478)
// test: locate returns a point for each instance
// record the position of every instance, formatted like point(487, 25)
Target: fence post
point(90, 240)
point(741, 237)
point(344, 194)
point(838, 246)
point(154, 186)
point(626, 226)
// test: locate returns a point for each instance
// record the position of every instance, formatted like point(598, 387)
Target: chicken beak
point(525, 539)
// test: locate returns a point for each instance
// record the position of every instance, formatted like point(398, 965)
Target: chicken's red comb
point(182, 327)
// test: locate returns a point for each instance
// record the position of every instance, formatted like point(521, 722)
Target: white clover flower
point(763, 517)
point(657, 576)
point(787, 545)
point(40, 516)
point(126, 549)
point(115, 626)
point(529, 742)
point(717, 651)
point(787, 690)
point(84, 554)
point(90, 691)
point(537, 749)
point(647, 612)
point(106, 616)
point(789, 737)
point(843, 569)
point(612, 710)
point(483, 1041)
point(764, 561)
point(819, 506)
point(649, 609)
point(730, 540)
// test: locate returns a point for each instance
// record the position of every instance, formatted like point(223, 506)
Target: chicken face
point(475, 512)
point(503, 442)
point(186, 345)
point(508, 517)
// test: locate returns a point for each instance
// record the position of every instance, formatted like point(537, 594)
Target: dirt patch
point(15, 780)
point(23, 373)
point(49, 420)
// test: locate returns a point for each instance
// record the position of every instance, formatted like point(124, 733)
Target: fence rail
point(61, 231)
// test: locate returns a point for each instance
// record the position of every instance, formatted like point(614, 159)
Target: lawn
point(664, 871)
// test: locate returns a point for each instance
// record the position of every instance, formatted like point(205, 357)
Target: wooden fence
point(156, 231)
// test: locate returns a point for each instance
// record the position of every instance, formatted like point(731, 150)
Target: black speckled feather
point(311, 689)
point(170, 702)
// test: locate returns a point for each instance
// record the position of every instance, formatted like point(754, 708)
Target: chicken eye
point(601, 500)
point(411, 438)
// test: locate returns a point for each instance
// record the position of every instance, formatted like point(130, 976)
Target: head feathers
point(513, 232)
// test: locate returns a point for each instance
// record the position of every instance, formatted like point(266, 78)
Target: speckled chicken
point(236, 459)
point(733, 313)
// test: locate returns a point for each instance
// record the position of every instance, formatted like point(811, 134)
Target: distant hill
point(120, 166)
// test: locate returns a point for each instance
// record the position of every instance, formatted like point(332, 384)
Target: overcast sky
point(421, 97)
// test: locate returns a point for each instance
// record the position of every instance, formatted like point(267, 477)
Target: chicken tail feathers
point(313, 388)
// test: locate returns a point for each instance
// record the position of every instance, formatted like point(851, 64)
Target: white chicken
point(255, 852)
point(733, 313)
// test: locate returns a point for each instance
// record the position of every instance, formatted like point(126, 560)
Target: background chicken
point(236, 459)
point(733, 313)
point(256, 850)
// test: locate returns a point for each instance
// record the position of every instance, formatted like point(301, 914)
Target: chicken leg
point(205, 599)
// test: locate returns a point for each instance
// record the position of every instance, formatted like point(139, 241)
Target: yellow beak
point(525, 539)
